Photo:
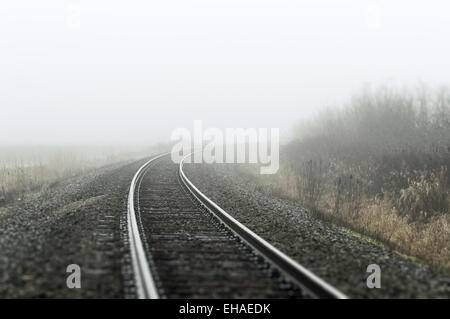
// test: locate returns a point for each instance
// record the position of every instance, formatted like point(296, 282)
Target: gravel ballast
point(78, 221)
point(81, 220)
point(338, 257)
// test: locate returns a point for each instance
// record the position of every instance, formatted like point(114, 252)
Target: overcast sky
point(105, 71)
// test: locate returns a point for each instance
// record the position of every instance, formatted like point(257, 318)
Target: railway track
point(183, 245)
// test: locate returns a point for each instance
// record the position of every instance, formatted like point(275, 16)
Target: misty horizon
point(104, 73)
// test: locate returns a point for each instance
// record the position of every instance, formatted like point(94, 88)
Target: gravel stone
point(78, 221)
point(339, 258)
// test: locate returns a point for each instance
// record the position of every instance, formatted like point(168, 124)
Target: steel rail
point(295, 272)
point(143, 278)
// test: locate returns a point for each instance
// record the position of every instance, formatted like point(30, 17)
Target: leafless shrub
point(380, 166)
point(309, 183)
point(426, 196)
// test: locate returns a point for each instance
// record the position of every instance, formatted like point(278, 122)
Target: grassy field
point(28, 169)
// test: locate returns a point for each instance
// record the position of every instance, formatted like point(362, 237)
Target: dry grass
point(28, 169)
point(429, 242)
point(377, 219)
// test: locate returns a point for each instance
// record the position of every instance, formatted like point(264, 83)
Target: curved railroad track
point(183, 245)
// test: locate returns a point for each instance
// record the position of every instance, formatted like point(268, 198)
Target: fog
point(132, 71)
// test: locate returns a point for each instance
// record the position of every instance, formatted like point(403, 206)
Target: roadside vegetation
point(378, 166)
